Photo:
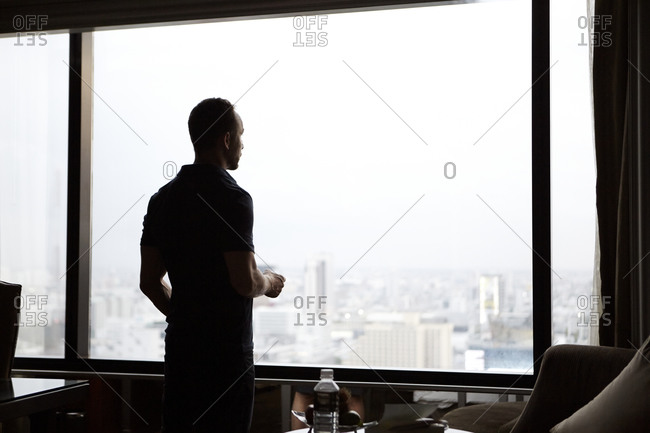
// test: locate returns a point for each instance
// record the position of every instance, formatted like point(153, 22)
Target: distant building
point(490, 297)
point(318, 277)
point(503, 339)
point(403, 340)
point(274, 322)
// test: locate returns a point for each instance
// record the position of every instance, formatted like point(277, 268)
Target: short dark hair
point(209, 120)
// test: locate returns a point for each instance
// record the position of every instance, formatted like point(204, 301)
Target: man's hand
point(276, 281)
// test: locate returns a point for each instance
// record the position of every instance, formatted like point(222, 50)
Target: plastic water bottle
point(326, 403)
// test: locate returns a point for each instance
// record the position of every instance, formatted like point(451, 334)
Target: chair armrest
point(570, 377)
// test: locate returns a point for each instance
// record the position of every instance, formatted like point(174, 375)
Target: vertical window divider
point(79, 223)
point(541, 173)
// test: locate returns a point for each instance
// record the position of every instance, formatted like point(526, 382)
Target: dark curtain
point(610, 93)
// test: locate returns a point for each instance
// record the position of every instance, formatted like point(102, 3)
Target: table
point(370, 430)
point(21, 396)
point(399, 414)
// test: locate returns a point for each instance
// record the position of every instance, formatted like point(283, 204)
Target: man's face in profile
point(236, 145)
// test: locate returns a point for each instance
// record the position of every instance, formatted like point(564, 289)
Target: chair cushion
point(623, 406)
point(484, 418)
point(507, 427)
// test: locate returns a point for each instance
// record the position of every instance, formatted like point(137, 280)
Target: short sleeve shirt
point(193, 220)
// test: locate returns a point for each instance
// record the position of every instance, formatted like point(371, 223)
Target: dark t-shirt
point(193, 220)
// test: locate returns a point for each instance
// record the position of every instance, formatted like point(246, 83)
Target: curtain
point(610, 95)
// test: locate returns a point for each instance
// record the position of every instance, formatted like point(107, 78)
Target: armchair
point(9, 324)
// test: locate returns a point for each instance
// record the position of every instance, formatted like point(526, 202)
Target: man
point(199, 229)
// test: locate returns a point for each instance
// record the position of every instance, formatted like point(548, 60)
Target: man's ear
point(226, 140)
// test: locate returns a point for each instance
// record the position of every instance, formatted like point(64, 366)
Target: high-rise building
point(503, 338)
point(490, 289)
point(318, 278)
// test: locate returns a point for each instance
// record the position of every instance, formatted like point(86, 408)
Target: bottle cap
point(326, 373)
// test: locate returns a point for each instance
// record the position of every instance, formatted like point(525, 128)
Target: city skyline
point(293, 324)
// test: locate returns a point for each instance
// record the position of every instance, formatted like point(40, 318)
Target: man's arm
point(247, 279)
point(152, 271)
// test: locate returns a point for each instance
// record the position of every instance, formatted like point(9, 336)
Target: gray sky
point(330, 165)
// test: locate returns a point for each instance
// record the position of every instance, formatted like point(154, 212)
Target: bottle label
point(326, 402)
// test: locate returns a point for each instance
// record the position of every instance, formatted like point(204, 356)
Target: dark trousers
point(207, 390)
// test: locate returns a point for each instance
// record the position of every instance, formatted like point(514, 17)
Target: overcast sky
point(342, 140)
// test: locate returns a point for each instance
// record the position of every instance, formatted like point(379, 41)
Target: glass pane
point(390, 172)
point(33, 185)
point(573, 172)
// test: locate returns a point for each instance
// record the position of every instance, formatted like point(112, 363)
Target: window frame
point(79, 223)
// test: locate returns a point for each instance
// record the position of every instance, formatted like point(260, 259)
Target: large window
point(33, 168)
point(397, 162)
point(388, 154)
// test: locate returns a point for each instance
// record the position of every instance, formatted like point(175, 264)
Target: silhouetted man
point(199, 229)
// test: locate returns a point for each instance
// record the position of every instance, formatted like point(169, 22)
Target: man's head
point(215, 130)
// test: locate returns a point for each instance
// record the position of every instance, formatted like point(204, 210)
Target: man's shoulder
point(236, 192)
point(163, 192)
point(242, 194)
point(212, 186)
